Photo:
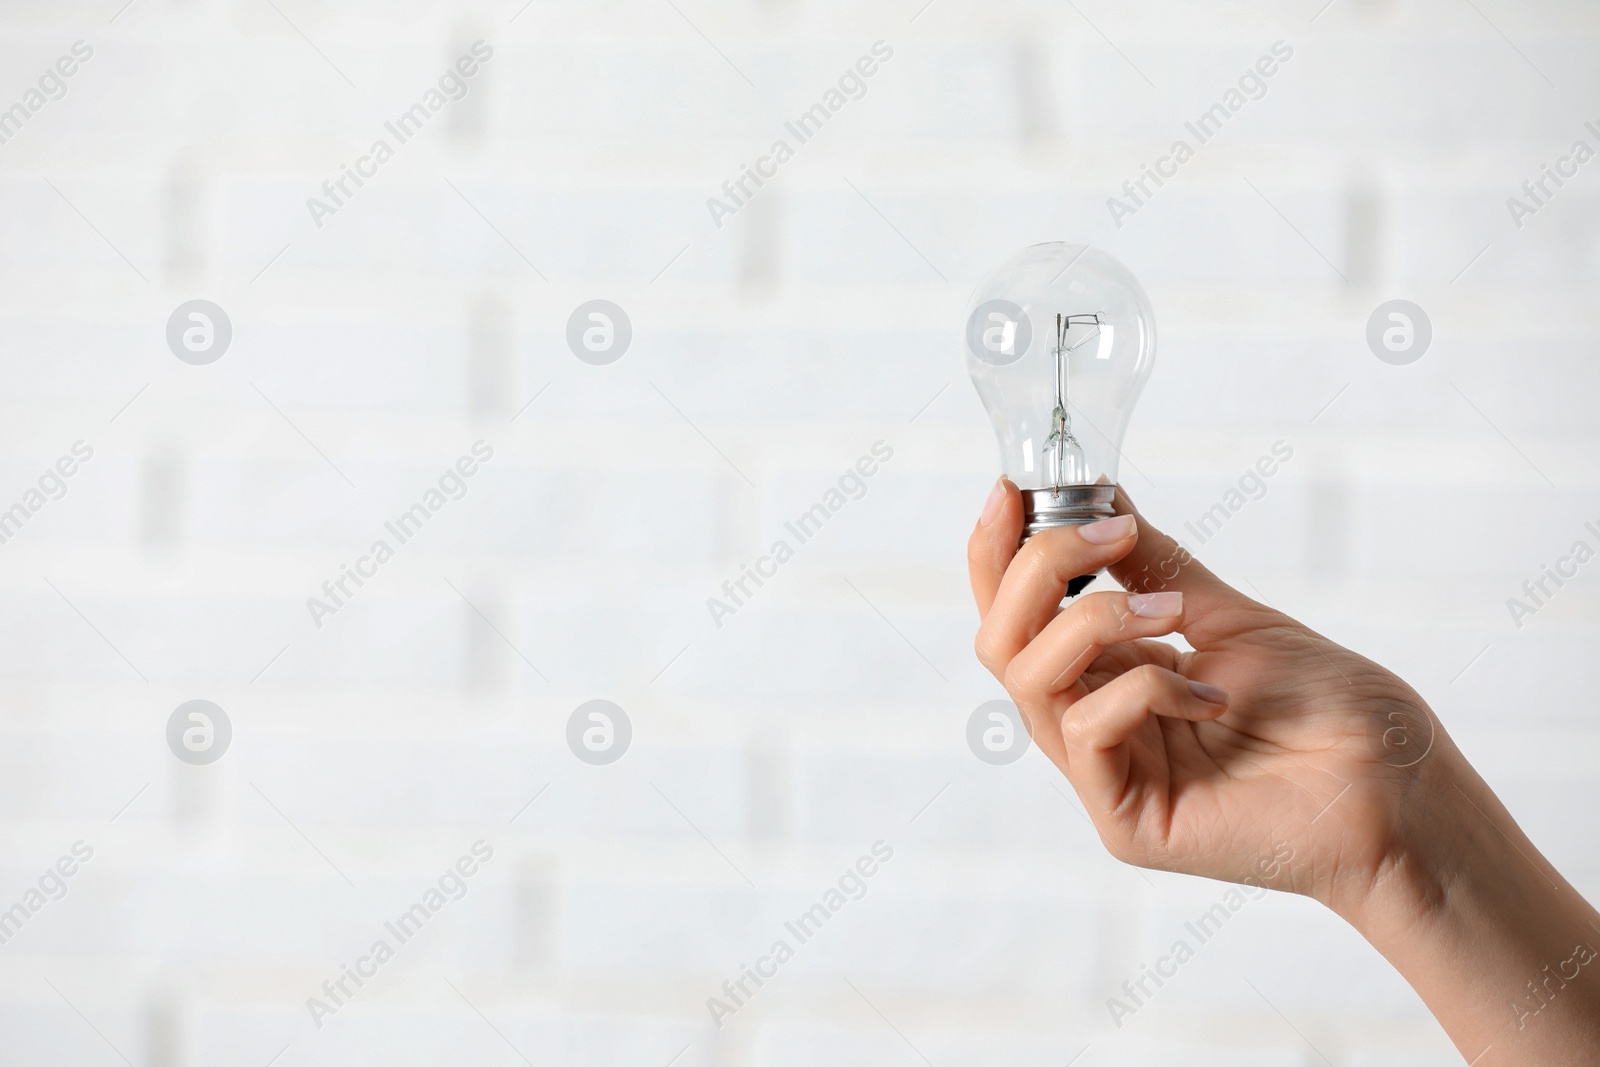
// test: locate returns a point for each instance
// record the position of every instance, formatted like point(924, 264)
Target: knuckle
point(1034, 553)
point(1075, 730)
point(1057, 555)
point(1148, 680)
point(1093, 621)
point(983, 645)
point(1053, 552)
point(1111, 612)
point(1019, 682)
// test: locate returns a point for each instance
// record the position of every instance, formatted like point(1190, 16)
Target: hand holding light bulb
point(1187, 760)
point(1266, 740)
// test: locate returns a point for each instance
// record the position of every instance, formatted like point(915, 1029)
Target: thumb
point(1159, 563)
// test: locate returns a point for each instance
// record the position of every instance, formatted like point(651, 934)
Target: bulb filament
point(1066, 464)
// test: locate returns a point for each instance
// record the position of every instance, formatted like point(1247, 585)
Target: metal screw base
point(1068, 505)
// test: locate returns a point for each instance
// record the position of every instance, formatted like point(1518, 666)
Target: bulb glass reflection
point(1059, 342)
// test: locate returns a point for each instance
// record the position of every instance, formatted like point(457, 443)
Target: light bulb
point(1059, 341)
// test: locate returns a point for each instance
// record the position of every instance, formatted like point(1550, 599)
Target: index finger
point(1032, 587)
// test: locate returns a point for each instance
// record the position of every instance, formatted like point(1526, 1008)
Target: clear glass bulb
point(1059, 341)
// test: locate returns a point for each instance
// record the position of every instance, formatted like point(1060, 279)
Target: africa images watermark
point(852, 85)
point(1252, 486)
point(409, 523)
point(1137, 993)
point(52, 886)
point(1538, 191)
point(52, 85)
point(452, 86)
point(1252, 86)
point(1543, 990)
point(450, 886)
point(852, 885)
point(52, 486)
point(1538, 592)
point(852, 485)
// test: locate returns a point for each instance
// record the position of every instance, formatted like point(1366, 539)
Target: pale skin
point(1269, 735)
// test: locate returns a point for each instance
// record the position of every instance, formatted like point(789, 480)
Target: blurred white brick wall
point(770, 752)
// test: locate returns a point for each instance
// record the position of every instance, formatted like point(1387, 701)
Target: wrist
point(1490, 935)
point(1437, 833)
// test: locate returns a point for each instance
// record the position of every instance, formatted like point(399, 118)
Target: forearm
point(1505, 953)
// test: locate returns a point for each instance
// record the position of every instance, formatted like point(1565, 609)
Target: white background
point(768, 354)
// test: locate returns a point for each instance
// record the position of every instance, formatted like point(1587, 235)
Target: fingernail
point(1107, 531)
point(1155, 605)
point(991, 507)
point(1209, 693)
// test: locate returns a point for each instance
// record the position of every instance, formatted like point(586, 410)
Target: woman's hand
point(1267, 737)
point(1269, 754)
